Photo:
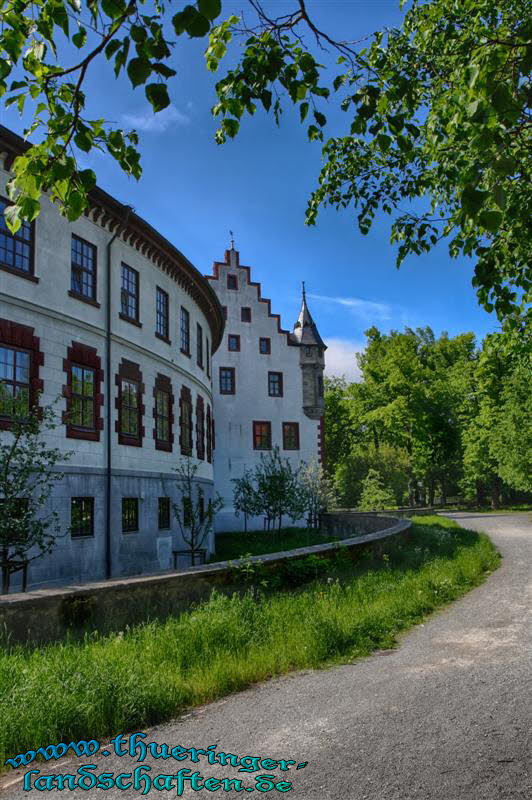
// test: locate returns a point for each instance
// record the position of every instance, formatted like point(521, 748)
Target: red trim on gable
point(216, 276)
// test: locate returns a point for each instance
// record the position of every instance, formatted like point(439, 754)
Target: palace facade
point(268, 385)
point(146, 362)
point(108, 321)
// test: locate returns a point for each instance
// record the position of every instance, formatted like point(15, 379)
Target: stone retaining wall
point(49, 614)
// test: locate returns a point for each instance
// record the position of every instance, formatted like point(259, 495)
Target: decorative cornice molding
point(109, 213)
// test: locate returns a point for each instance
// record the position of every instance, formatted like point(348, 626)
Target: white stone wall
point(234, 414)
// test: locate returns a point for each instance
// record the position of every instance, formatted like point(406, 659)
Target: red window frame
point(262, 431)
point(163, 386)
point(129, 373)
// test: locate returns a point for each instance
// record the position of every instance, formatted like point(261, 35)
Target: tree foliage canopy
point(432, 417)
point(438, 112)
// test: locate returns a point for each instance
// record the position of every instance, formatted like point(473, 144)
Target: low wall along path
point(46, 615)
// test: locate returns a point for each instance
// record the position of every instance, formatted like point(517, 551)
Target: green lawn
point(122, 682)
point(234, 545)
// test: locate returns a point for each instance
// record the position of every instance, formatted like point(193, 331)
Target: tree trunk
point(495, 493)
point(478, 493)
point(432, 489)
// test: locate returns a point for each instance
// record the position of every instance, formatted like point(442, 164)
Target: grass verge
point(234, 545)
point(126, 681)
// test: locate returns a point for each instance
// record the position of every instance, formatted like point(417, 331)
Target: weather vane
point(231, 234)
point(303, 285)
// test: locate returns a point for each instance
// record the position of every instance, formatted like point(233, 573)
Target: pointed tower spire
point(305, 330)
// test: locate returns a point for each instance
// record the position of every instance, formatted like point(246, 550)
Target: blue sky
point(194, 191)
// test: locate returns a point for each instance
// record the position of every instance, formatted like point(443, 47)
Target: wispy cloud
point(146, 120)
point(340, 358)
point(366, 310)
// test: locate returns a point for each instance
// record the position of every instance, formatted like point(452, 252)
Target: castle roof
point(305, 330)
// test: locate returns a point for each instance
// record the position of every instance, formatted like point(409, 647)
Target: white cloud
point(340, 358)
point(366, 310)
point(146, 120)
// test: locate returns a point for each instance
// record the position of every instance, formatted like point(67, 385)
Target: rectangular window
point(16, 251)
point(186, 421)
point(83, 398)
point(82, 516)
point(245, 314)
point(275, 384)
point(164, 513)
point(262, 436)
point(290, 435)
point(264, 346)
point(199, 345)
point(208, 357)
point(162, 320)
point(233, 342)
point(162, 416)
point(14, 381)
point(227, 380)
point(232, 281)
point(185, 331)
point(129, 408)
point(83, 268)
point(130, 514)
point(130, 294)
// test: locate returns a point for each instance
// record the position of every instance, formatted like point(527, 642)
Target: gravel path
point(445, 716)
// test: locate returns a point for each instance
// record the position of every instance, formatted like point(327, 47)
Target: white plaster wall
point(234, 414)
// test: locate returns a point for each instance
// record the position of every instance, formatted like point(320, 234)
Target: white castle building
point(268, 385)
point(107, 315)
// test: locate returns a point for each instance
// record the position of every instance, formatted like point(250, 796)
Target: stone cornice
point(110, 213)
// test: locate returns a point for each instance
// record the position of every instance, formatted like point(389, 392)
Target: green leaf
point(505, 165)
point(472, 200)
point(80, 38)
point(210, 8)
point(320, 118)
point(139, 70)
point(384, 142)
point(113, 8)
point(500, 196)
point(191, 21)
point(266, 99)
point(157, 94)
point(230, 127)
point(112, 47)
point(83, 140)
point(491, 220)
point(303, 111)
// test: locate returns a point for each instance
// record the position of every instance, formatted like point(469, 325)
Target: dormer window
point(308, 350)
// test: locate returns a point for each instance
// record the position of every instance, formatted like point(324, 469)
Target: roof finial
point(231, 234)
point(304, 295)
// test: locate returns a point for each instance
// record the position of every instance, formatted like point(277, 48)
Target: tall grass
point(104, 685)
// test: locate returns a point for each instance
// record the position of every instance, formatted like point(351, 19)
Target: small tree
point(27, 479)
point(194, 520)
point(317, 492)
point(375, 495)
point(277, 488)
point(245, 498)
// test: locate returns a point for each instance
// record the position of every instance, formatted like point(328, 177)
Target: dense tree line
point(432, 418)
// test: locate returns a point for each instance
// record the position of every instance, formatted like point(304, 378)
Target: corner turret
point(311, 360)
